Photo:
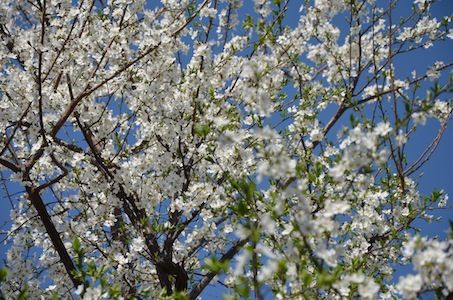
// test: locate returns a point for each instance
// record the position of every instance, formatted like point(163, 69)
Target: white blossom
point(154, 147)
point(409, 286)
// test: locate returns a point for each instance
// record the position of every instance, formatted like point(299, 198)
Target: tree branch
point(54, 236)
point(196, 291)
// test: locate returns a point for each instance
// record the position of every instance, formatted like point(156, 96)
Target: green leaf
point(212, 93)
point(76, 245)
point(311, 177)
point(307, 278)
point(180, 296)
point(282, 270)
point(248, 22)
point(23, 294)
point(248, 188)
point(3, 274)
point(91, 269)
point(241, 208)
point(353, 120)
point(101, 16)
point(435, 195)
point(212, 264)
point(118, 140)
point(450, 235)
point(255, 234)
point(242, 288)
point(55, 296)
point(201, 130)
point(407, 107)
point(115, 291)
point(325, 279)
point(210, 159)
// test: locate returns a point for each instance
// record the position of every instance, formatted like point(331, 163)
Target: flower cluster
point(150, 148)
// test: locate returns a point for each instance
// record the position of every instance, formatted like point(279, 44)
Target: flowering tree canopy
point(165, 147)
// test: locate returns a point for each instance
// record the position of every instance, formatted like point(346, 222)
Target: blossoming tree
point(165, 147)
